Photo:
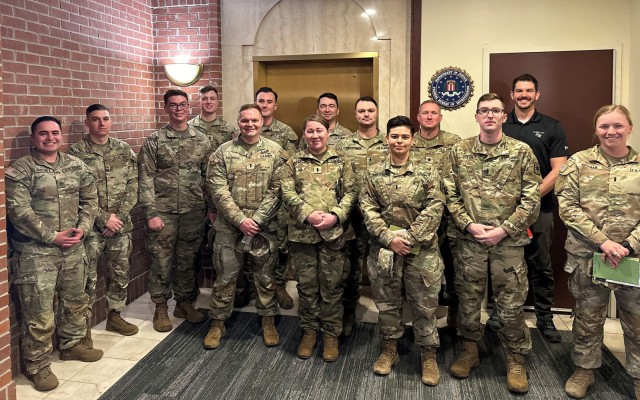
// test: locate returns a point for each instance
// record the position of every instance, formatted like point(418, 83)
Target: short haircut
point(328, 95)
point(430, 101)
point(174, 92)
point(315, 118)
point(611, 108)
point(96, 107)
point(208, 88)
point(399, 120)
point(44, 118)
point(524, 78)
point(266, 89)
point(489, 97)
point(249, 106)
point(367, 98)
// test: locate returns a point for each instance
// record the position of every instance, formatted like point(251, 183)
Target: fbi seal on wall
point(451, 88)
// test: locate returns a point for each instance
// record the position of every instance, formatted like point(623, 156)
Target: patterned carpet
point(243, 368)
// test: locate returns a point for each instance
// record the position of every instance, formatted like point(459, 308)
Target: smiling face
point(400, 140)
point(328, 109)
point(99, 124)
point(613, 130)
point(316, 136)
point(47, 138)
point(177, 108)
point(250, 122)
point(525, 95)
point(267, 103)
point(209, 102)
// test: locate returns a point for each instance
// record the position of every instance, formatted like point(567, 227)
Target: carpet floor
point(243, 368)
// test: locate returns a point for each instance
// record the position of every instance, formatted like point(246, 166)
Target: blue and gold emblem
point(451, 88)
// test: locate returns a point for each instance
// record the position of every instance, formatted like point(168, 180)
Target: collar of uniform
point(406, 168)
point(199, 120)
point(496, 150)
point(330, 153)
point(595, 156)
point(90, 145)
point(274, 126)
point(419, 141)
point(512, 119)
point(62, 158)
point(379, 136)
point(172, 133)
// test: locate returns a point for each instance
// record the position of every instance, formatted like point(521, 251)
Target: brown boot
point(468, 359)
point(578, 384)
point(87, 340)
point(185, 310)
point(115, 323)
point(161, 321)
point(388, 357)
point(348, 321)
point(330, 348)
point(285, 301)
point(44, 380)
point(309, 339)
point(216, 332)
point(81, 352)
point(430, 371)
point(516, 373)
point(270, 335)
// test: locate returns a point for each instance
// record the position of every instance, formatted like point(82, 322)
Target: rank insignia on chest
point(317, 170)
point(251, 166)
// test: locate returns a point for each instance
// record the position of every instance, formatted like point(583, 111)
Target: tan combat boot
point(270, 335)
point(516, 373)
point(115, 323)
point(81, 352)
point(185, 310)
point(430, 371)
point(285, 301)
point(348, 321)
point(330, 348)
point(388, 357)
point(161, 321)
point(578, 384)
point(87, 340)
point(216, 332)
point(309, 339)
point(468, 359)
point(44, 380)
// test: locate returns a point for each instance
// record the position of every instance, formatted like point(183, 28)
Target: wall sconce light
point(183, 74)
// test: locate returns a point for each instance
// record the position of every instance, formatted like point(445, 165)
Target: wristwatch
point(627, 246)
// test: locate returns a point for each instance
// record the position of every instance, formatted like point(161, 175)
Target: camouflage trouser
point(418, 278)
point(280, 272)
point(357, 252)
point(38, 278)
point(509, 284)
point(319, 273)
point(173, 251)
point(116, 250)
point(228, 264)
point(590, 314)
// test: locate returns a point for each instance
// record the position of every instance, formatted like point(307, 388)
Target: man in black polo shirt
point(546, 138)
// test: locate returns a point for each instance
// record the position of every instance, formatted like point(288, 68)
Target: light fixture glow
point(183, 74)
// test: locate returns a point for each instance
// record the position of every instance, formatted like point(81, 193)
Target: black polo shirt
point(546, 138)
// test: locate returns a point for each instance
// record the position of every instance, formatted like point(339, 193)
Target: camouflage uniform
point(599, 200)
point(336, 134)
point(218, 131)
point(496, 185)
point(408, 197)
point(243, 181)
point(42, 200)
point(430, 152)
point(363, 153)
point(171, 168)
point(115, 171)
point(328, 184)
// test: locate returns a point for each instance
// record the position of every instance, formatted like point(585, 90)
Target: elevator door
point(299, 83)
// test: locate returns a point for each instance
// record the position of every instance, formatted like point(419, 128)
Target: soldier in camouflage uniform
point(114, 168)
point(366, 147)
point(492, 184)
point(319, 187)
point(51, 203)
point(171, 170)
point(431, 146)
point(402, 205)
point(329, 109)
point(598, 192)
point(242, 177)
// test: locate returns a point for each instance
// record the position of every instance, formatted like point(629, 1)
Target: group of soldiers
point(390, 189)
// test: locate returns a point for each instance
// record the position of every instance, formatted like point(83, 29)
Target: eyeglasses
point(175, 106)
point(486, 110)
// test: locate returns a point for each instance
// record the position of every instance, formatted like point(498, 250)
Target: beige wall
point(271, 28)
point(474, 29)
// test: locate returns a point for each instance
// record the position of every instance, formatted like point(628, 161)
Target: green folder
point(626, 273)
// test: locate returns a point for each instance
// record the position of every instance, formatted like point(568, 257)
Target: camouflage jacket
point(218, 131)
point(598, 201)
point(363, 157)
point(328, 184)
point(116, 176)
point(244, 183)
point(282, 134)
point(336, 134)
point(171, 170)
point(498, 186)
point(408, 197)
point(44, 199)
point(433, 151)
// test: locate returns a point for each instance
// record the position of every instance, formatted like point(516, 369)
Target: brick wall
point(59, 57)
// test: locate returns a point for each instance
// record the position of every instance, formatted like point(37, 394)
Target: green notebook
point(626, 273)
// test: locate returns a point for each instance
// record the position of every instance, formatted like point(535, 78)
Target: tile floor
point(87, 381)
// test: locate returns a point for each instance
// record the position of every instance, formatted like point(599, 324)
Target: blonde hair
point(609, 109)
